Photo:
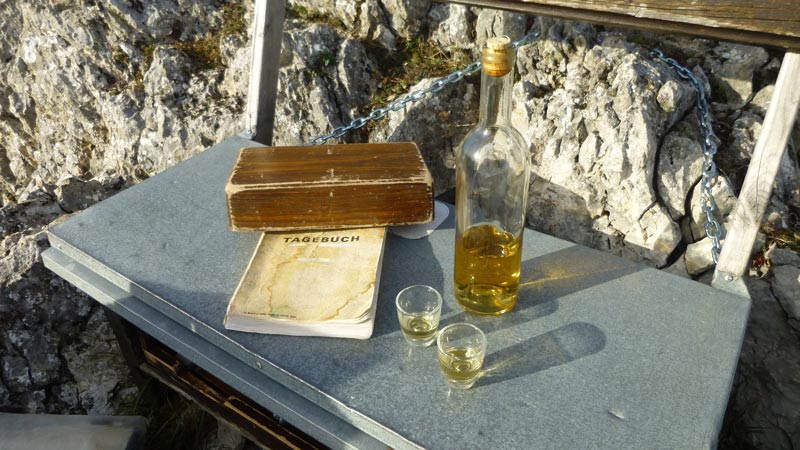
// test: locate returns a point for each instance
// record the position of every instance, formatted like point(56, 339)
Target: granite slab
point(599, 353)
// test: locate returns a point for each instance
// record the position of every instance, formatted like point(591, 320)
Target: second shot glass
point(419, 308)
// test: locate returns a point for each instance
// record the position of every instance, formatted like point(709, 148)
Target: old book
point(321, 283)
point(329, 187)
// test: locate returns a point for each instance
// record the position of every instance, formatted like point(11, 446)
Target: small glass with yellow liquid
point(462, 347)
point(419, 309)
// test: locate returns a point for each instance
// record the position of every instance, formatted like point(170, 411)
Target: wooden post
point(263, 89)
point(753, 199)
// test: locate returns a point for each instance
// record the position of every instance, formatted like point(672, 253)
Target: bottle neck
point(495, 99)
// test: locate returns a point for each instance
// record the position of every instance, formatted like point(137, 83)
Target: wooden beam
point(263, 88)
point(753, 199)
point(773, 23)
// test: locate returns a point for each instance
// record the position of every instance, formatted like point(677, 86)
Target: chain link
point(709, 172)
point(414, 96)
point(707, 202)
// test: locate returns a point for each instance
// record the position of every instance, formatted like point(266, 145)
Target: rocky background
point(96, 95)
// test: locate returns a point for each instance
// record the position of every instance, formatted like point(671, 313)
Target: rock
point(725, 200)
point(786, 286)
point(437, 124)
point(603, 114)
point(34, 401)
point(15, 373)
point(492, 22)
point(452, 25)
point(74, 194)
point(679, 167)
point(67, 396)
point(698, 256)
point(760, 102)
point(406, 16)
point(655, 240)
point(95, 363)
point(745, 132)
point(678, 268)
point(762, 411)
point(783, 257)
point(345, 11)
point(559, 212)
point(374, 25)
point(308, 78)
point(4, 396)
point(734, 74)
point(24, 256)
point(356, 74)
point(670, 96)
point(41, 353)
point(168, 76)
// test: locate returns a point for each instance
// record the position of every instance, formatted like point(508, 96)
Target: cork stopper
point(498, 56)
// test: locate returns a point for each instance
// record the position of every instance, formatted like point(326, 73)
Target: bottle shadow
point(554, 348)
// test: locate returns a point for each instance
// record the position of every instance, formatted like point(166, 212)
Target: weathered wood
point(774, 23)
point(329, 187)
point(263, 87)
point(760, 176)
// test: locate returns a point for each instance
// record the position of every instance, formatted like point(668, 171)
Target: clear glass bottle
point(492, 172)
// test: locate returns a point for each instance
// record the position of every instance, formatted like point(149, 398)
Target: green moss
point(147, 49)
point(119, 57)
point(233, 19)
point(302, 13)
point(416, 60)
point(204, 52)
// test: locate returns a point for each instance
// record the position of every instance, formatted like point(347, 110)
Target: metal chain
point(707, 202)
point(414, 96)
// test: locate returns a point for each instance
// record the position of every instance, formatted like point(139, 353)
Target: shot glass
point(419, 308)
point(462, 347)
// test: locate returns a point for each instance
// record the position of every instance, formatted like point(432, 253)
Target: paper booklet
point(322, 283)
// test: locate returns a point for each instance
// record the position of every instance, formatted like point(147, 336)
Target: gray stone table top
point(599, 352)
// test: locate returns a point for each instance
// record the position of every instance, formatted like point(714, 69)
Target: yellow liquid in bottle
point(487, 270)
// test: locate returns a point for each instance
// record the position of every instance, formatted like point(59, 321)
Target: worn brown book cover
point(321, 283)
point(328, 187)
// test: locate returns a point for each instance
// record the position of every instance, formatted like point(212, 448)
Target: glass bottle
point(492, 172)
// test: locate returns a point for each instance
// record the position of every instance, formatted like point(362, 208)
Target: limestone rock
point(678, 268)
point(356, 73)
point(15, 373)
point(679, 167)
point(784, 256)
point(452, 25)
point(767, 384)
point(786, 286)
point(760, 102)
point(493, 22)
point(596, 132)
point(374, 25)
point(41, 354)
point(726, 202)
point(735, 73)
point(560, 212)
point(698, 256)
point(746, 130)
point(96, 365)
point(406, 16)
point(4, 396)
point(309, 82)
point(437, 124)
